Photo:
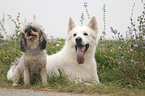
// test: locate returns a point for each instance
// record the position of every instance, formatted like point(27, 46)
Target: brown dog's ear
point(22, 42)
point(43, 41)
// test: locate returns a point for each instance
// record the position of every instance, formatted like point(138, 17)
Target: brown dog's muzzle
point(30, 34)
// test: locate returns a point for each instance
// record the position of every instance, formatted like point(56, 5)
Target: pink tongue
point(80, 54)
point(29, 37)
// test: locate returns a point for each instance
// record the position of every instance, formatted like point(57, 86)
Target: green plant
point(122, 61)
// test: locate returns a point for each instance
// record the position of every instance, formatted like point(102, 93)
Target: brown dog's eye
point(26, 30)
point(34, 29)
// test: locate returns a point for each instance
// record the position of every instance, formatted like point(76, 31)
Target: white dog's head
point(82, 38)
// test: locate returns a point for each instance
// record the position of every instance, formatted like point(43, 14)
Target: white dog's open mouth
point(81, 49)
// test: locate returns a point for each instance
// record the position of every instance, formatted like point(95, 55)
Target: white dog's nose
point(78, 40)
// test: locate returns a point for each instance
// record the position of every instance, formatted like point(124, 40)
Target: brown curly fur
point(32, 64)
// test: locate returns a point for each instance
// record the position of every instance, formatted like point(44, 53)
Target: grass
point(111, 83)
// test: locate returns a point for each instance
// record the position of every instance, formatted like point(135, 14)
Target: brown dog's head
point(32, 37)
point(32, 31)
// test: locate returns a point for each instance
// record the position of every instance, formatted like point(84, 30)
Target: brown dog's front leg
point(43, 76)
point(26, 75)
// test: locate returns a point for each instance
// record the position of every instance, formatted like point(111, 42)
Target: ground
point(27, 92)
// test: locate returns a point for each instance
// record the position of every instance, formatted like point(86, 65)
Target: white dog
point(77, 58)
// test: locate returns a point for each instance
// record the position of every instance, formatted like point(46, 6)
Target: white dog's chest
point(78, 72)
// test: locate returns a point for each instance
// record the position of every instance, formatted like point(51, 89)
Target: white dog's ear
point(93, 23)
point(71, 24)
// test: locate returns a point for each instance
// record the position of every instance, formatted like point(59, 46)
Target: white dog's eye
point(85, 34)
point(74, 34)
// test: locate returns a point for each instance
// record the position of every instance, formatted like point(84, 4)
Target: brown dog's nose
point(29, 31)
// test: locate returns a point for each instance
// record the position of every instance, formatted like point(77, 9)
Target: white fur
point(12, 69)
point(66, 59)
point(10, 72)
